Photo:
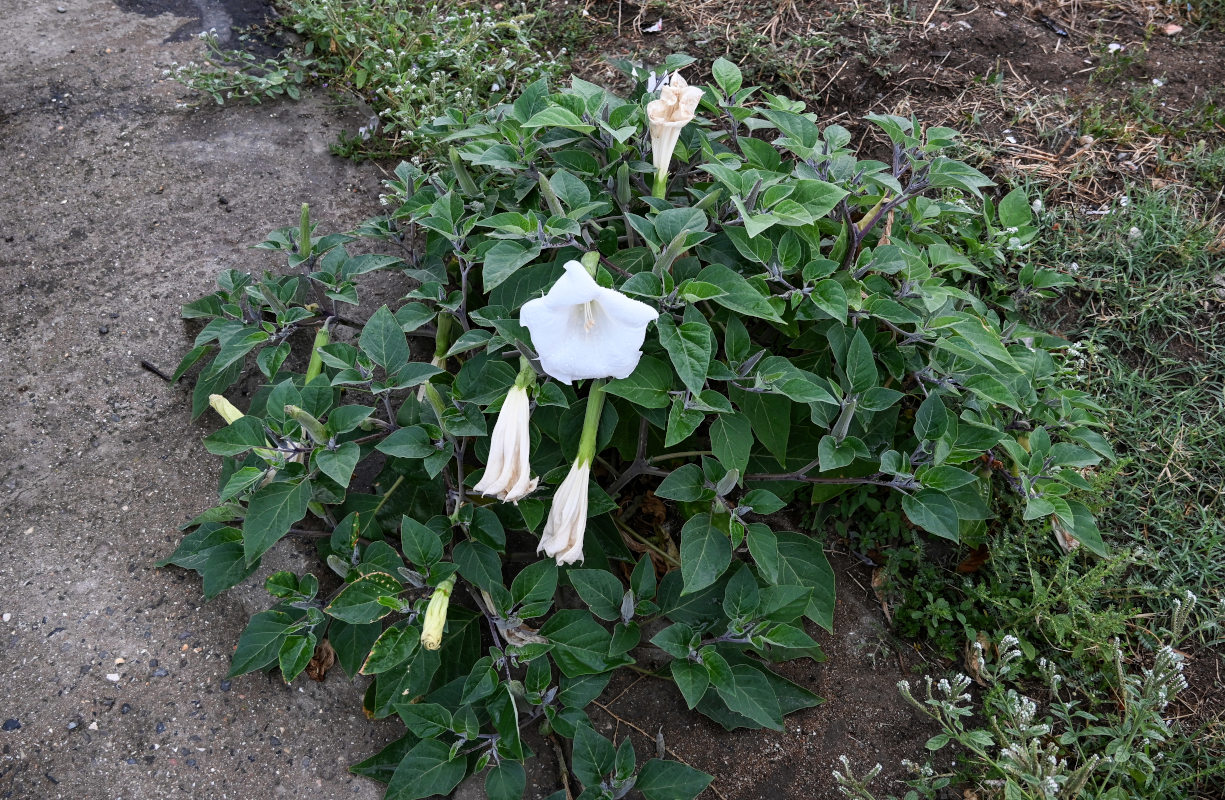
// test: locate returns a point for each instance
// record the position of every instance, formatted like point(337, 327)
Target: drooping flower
point(582, 330)
point(508, 475)
point(675, 108)
point(436, 615)
point(567, 524)
point(227, 410)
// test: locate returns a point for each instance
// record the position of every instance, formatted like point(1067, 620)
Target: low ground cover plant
point(408, 62)
point(645, 325)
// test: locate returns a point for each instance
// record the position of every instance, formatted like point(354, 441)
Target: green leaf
point(478, 563)
point(648, 385)
point(534, 587)
point(295, 653)
point(802, 562)
point(692, 679)
point(426, 771)
point(731, 439)
point(383, 340)
point(1014, 210)
point(685, 484)
point(580, 644)
point(706, 553)
point(932, 418)
point(352, 643)
point(600, 590)
point(861, 364)
point(557, 117)
point(593, 757)
point(750, 695)
point(271, 513)
point(829, 296)
point(420, 544)
point(727, 75)
point(504, 258)
point(216, 552)
point(411, 442)
point(741, 297)
point(382, 764)
point(391, 649)
point(427, 720)
point(260, 642)
point(1084, 529)
point(358, 603)
point(505, 781)
point(682, 422)
point(238, 437)
point(741, 596)
point(933, 511)
point(770, 417)
point(670, 780)
point(689, 347)
point(835, 455)
point(338, 464)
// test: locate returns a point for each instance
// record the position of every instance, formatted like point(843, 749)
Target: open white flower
point(508, 475)
point(563, 532)
point(582, 330)
point(677, 103)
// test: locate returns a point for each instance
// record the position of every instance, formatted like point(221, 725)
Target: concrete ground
point(116, 206)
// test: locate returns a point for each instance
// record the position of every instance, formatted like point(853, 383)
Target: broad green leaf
point(295, 653)
point(648, 385)
point(580, 644)
point(689, 347)
point(670, 780)
point(260, 642)
point(383, 340)
point(860, 364)
point(933, 511)
point(391, 649)
point(706, 553)
point(358, 603)
point(271, 513)
point(731, 439)
point(240, 436)
point(426, 771)
point(338, 464)
point(505, 781)
point(600, 590)
point(727, 75)
point(932, 418)
point(684, 484)
point(593, 757)
point(692, 679)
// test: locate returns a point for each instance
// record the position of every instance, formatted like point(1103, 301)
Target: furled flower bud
point(313, 427)
point(436, 615)
point(228, 411)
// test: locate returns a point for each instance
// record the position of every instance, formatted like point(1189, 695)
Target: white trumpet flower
point(582, 330)
point(508, 475)
point(675, 108)
point(567, 524)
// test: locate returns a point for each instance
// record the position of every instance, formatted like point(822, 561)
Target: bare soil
point(119, 205)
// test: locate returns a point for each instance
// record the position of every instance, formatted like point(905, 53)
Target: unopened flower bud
point(313, 427)
point(436, 615)
point(228, 411)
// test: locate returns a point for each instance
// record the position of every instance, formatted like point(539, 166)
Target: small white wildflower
point(1134, 233)
point(1036, 206)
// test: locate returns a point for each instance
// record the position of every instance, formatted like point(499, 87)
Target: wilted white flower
point(567, 524)
point(582, 330)
point(508, 475)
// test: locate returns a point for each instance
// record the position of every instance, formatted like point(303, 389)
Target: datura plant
point(619, 348)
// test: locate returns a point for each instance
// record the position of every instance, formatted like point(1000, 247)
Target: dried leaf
point(321, 661)
point(880, 582)
point(975, 560)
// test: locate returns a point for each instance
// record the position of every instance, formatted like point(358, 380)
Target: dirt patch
point(224, 17)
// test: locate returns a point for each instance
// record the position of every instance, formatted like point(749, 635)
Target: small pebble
point(11, 725)
point(160, 673)
point(7, 616)
point(61, 9)
point(72, 726)
point(102, 329)
point(113, 677)
point(125, 708)
point(161, 727)
point(225, 686)
point(93, 726)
